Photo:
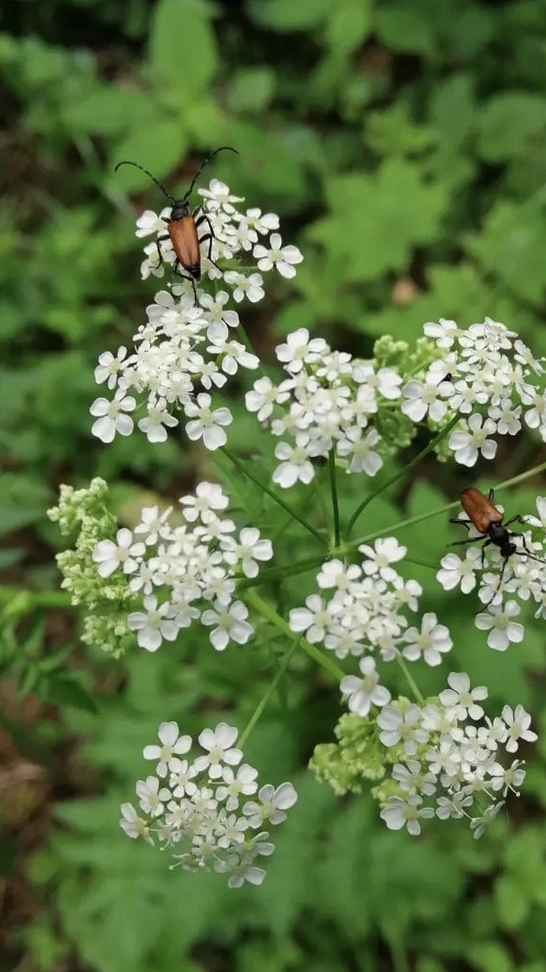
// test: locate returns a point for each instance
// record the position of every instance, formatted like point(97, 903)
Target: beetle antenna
point(223, 148)
point(153, 178)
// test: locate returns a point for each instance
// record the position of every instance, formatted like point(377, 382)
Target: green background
point(403, 143)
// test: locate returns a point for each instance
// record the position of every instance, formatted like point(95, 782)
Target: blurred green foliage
point(403, 143)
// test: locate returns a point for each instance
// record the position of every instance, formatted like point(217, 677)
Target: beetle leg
point(185, 276)
point(457, 520)
point(486, 544)
point(491, 495)
point(517, 518)
point(499, 585)
point(459, 543)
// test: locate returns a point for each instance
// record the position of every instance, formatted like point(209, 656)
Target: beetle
point(182, 225)
point(488, 520)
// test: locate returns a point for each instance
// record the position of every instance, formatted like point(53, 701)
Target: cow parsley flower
point(457, 763)
point(366, 691)
point(200, 807)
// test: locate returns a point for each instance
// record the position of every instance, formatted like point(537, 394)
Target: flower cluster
point(85, 515)
point(365, 613)
point(187, 349)
point(450, 760)
point(329, 400)
point(499, 580)
point(480, 382)
point(185, 563)
point(487, 376)
point(205, 805)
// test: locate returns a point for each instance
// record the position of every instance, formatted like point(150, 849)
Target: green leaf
point(110, 110)
point(510, 124)
point(512, 244)
point(512, 905)
point(285, 15)
point(160, 147)
point(405, 26)
point(490, 957)
point(376, 220)
point(67, 691)
point(349, 23)
point(182, 46)
point(251, 89)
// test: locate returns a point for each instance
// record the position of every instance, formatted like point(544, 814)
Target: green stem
point(274, 573)
point(402, 472)
point(265, 699)
point(21, 601)
point(409, 678)
point(268, 612)
point(274, 496)
point(335, 503)
point(301, 566)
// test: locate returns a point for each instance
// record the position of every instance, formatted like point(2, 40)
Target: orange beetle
point(487, 519)
point(182, 226)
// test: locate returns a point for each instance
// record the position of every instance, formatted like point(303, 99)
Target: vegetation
point(403, 145)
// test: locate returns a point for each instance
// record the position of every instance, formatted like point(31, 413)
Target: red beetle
point(182, 225)
point(488, 520)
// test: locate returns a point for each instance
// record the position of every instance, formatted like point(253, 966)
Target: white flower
point(457, 572)
point(218, 196)
point(273, 803)
point(150, 795)
point(248, 551)
point(422, 397)
point(154, 624)
point(249, 287)
point(361, 450)
point(208, 500)
point(154, 424)
point(124, 553)
point(299, 350)
point(510, 778)
point(478, 824)
point(386, 381)
point(412, 779)
point(112, 416)
point(453, 805)
point(149, 222)
point(181, 779)
point(172, 744)
point(406, 727)
point(109, 367)
point(540, 520)
point(461, 699)
point(399, 813)
point(315, 618)
point(244, 782)
point(506, 417)
point(366, 691)
point(498, 621)
point(445, 333)
point(294, 466)
point(385, 552)
point(228, 623)
point(132, 824)
point(282, 258)
point(334, 573)
point(154, 524)
point(207, 424)
point(431, 642)
point(263, 397)
point(517, 722)
point(467, 444)
point(219, 746)
point(242, 871)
